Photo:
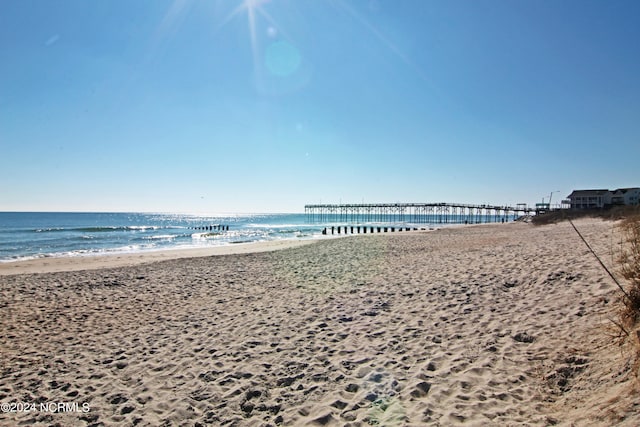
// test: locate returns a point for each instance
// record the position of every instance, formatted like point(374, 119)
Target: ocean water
point(30, 235)
point(25, 235)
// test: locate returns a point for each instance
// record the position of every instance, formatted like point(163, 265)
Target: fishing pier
point(414, 213)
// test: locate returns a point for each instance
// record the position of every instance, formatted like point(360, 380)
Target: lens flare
point(282, 58)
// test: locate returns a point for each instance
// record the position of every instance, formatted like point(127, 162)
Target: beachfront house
point(598, 199)
point(626, 196)
point(589, 199)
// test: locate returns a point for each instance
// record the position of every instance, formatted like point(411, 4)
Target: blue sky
point(263, 106)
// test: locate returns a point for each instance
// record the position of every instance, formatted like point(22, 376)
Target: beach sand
point(504, 324)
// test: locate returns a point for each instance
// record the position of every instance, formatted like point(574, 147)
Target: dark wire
point(600, 261)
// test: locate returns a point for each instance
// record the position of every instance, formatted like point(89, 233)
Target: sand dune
point(480, 325)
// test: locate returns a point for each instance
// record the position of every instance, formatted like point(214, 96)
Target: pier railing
point(416, 213)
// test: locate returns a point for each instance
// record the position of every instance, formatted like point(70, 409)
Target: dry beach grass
point(629, 270)
point(480, 325)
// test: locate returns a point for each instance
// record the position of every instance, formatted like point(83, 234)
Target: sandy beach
point(490, 325)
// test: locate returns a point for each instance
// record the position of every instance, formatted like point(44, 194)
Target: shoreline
point(55, 264)
point(127, 259)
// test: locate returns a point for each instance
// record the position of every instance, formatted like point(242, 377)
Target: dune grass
point(614, 213)
point(629, 269)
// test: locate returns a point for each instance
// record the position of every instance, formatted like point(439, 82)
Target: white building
point(597, 199)
point(589, 199)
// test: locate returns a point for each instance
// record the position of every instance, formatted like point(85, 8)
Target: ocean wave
point(208, 235)
point(272, 226)
point(48, 230)
point(288, 231)
point(162, 237)
point(103, 229)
